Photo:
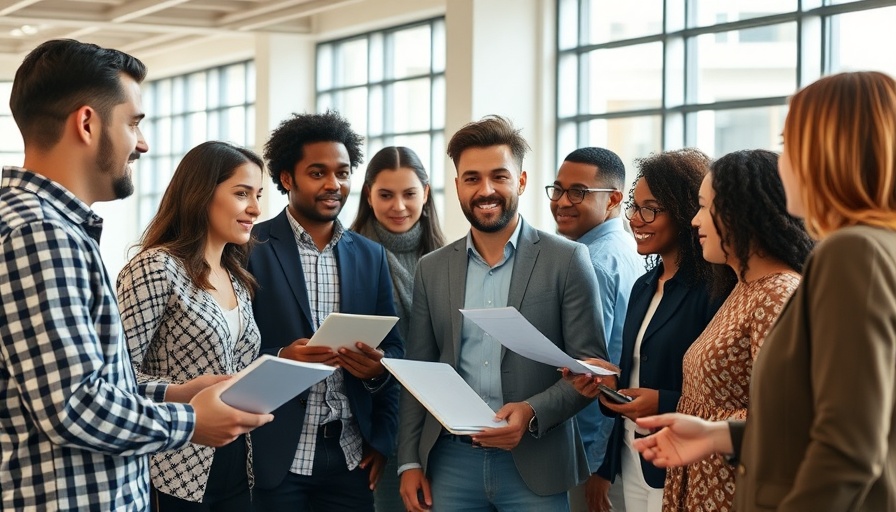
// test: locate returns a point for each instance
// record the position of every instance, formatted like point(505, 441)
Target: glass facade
point(390, 85)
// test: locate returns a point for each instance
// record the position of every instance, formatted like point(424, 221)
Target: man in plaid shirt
point(75, 428)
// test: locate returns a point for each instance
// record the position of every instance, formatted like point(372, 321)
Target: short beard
point(123, 186)
point(508, 211)
point(309, 212)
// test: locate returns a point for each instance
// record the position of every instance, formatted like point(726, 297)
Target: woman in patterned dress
point(186, 307)
point(743, 225)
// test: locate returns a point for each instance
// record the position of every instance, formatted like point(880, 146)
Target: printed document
point(511, 329)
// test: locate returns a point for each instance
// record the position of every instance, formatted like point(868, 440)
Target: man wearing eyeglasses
point(586, 203)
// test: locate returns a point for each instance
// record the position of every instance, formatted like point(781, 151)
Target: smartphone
point(614, 395)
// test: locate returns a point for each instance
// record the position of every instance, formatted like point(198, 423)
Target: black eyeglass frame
point(584, 191)
point(631, 209)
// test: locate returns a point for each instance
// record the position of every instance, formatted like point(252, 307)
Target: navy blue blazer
point(283, 315)
point(679, 319)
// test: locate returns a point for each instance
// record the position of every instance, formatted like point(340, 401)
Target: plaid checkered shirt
point(75, 428)
point(327, 400)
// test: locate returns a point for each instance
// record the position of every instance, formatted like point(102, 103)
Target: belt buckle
point(331, 429)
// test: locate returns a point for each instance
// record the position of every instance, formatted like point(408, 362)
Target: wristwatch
point(533, 423)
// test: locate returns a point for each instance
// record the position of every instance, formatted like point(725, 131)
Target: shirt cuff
point(409, 465)
point(154, 390)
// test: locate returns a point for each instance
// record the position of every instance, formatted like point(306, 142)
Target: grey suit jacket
point(821, 429)
point(554, 287)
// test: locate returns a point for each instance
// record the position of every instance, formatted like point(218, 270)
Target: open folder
point(342, 330)
point(511, 329)
point(445, 394)
point(270, 382)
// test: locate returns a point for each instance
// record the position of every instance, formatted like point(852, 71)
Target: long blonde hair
point(840, 134)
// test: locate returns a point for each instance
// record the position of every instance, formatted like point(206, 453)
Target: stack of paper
point(445, 394)
point(270, 382)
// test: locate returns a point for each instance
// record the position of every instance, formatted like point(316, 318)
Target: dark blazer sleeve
point(384, 398)
point(736, 428)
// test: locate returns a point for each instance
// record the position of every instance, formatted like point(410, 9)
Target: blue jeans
point(464, 477)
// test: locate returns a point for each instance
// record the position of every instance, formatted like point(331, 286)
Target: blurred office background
point(634, 76)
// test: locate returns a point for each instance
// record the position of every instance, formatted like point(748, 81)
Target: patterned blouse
point(176, 331)
point(716, 385)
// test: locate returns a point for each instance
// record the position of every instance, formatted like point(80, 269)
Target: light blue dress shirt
point(479, 362)
point(617, 266)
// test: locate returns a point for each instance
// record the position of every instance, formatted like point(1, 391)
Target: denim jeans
point(469, 478)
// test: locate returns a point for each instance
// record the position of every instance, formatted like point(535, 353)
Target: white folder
point(342, 330)
point(270, 382)
point(445, 394)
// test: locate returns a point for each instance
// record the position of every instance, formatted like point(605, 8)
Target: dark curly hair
point(287, 143)
point(750, 214)
point(674, 178)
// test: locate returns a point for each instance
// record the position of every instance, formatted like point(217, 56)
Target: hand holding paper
point(512, 330)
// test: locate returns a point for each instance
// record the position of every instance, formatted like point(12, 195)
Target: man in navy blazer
point(325, 448)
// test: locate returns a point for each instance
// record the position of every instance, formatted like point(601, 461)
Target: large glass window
point(12, 149)
point(390, 85)
point(185, 110)
point(644, 76)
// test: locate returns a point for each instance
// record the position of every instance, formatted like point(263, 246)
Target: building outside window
point(184, 111)
point(640, 77)
point(12, 149)
point(390, 85)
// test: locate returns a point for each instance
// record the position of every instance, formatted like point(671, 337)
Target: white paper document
point(511, 329)
point(270, 382)
point(342, 330)
point(445, 394)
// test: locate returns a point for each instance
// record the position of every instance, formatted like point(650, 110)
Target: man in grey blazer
point(538, 456)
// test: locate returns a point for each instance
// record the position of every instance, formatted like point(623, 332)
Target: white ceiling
point(149, 26)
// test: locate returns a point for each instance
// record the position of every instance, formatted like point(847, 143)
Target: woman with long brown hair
point(185, 303)
point(397, 210)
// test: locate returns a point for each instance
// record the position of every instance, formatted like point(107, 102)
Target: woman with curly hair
point(821, 431)
point(743, 226)
point(669, 307)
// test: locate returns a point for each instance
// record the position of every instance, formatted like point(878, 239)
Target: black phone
point(614, 395)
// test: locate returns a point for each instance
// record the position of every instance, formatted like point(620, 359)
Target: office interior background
point(635, 76)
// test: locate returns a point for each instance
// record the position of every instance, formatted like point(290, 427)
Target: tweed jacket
point(175, 332)
point(821, 430)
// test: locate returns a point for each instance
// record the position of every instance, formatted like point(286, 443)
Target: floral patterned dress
point(716, 385)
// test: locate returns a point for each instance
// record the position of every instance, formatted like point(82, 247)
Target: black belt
point(330, 430)
point(462, 439)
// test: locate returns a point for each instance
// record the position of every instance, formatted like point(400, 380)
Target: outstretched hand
point(682, 439)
